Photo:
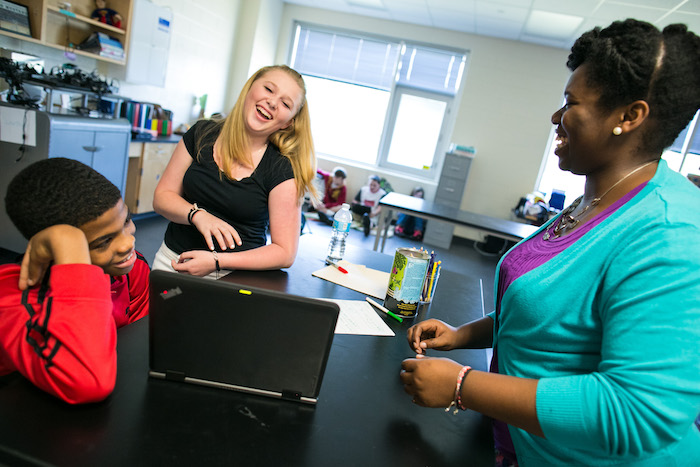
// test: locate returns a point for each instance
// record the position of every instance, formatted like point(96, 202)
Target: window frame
point(396, 90)
point(441, 145)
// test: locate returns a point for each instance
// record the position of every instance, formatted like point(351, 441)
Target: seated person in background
point(366, 203)
point(334, 195)
point(411, 226)
point(79, 280)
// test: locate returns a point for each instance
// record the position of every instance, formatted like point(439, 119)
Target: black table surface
point(363, 416)
point(422, 207)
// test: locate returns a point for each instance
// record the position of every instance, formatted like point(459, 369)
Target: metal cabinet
point(102, 144)
point(450, 190)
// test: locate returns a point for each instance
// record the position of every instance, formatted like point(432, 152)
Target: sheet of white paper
point(359, 277)
point(18, 126)
point(359, 317)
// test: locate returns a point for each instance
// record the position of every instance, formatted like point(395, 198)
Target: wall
point(255, 42)
point(203, 36)
point(201, 47)
point(511, 90)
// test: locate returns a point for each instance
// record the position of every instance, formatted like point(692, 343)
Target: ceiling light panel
point(552, 25)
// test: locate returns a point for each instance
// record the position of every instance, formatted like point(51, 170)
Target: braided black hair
point(632, 60)
point(58, 191)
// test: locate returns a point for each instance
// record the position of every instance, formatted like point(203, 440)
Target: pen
point(381, 308)
point(339, 268)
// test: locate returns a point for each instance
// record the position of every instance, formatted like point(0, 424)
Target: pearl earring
point(617, 131)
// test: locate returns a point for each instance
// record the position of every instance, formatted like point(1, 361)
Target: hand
point(431, 381)
point(431, 334)
point(211, 226)
point(60, 244)
point(195, 262)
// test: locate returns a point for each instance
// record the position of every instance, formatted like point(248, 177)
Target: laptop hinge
point(291, 395)
point(174, 375)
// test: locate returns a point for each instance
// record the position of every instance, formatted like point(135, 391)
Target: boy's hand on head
point(58, 244)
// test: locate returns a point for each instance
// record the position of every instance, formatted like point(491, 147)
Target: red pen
point(339, 268)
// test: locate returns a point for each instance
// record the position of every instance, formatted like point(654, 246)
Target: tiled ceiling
point(555, 23)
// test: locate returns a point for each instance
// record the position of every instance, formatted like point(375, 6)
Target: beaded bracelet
point(194, 211)
point(458, 391)
point(457, 402)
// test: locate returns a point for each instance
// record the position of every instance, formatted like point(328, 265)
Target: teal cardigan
point(611, 328)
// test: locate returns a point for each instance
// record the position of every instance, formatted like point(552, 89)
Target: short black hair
point(58, 191)
point(340, 172)
point(632, 60)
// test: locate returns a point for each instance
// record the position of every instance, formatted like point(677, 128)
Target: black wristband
point(193, 211)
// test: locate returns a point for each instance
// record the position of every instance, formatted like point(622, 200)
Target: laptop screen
point(237, 337)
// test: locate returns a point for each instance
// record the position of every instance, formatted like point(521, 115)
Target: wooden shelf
point(85, 19)
point(54, 27)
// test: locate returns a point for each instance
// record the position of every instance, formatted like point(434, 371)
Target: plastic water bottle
point(341, 227)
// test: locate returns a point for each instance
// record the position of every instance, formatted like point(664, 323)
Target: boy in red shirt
point(334, 194)
point(80, 279)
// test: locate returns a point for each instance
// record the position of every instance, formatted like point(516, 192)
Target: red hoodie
point(61, 335)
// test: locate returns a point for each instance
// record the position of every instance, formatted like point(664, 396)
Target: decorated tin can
point(406, 281)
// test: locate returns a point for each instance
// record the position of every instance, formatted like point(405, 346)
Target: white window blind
point(346, 58)
point(431, 70)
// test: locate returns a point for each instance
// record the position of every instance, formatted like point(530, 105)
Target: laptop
point(236, 337)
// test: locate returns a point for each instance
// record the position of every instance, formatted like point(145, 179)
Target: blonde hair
point(294, 142)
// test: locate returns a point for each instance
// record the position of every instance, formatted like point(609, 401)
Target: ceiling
point(555, 23)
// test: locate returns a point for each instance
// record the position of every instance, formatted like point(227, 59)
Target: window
point(415, 113)
point(683, 156)
point(378, 102)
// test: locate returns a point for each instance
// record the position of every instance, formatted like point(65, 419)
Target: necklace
point(567, 221)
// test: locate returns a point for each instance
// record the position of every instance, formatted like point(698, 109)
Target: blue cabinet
point(102, 144)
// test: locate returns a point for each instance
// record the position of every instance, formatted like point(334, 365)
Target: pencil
point(436, 276)
point(426, 282)
point(432, 278)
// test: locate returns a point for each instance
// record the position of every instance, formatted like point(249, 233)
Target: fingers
point(409, 380)
point(32, 268)
point(196, 263)
point(431, 334)
point(409, 364)
point(430, 381)
point(227, 238)
point(419, 335)
point(210, 244)
point(216, 230)
point(176, 265)
point(24, 280)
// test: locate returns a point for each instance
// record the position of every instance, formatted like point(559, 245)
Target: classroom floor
point(462, 257)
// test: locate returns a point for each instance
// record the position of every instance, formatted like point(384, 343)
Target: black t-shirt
point(242, 203)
